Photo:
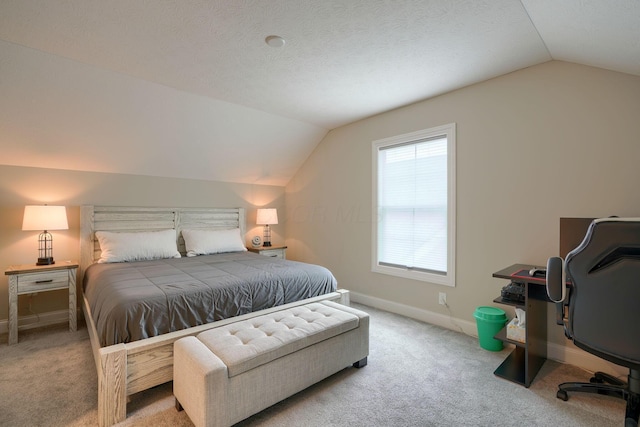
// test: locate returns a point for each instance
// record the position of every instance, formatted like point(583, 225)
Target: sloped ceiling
point(190, 89)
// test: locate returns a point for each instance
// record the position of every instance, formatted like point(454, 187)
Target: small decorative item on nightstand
point(29, 279)
point(256, 241)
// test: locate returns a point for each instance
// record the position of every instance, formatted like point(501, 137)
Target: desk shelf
point(503, 301)
point(502, 336)
point(526, 359)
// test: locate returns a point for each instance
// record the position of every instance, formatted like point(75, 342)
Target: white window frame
point(447, 278)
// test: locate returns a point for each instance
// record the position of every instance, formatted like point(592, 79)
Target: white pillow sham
point(204, 242)
point(137, 246)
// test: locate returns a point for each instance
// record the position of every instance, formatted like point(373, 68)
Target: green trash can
point(490, 320)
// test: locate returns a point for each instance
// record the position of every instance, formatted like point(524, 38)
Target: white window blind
point(413, 192)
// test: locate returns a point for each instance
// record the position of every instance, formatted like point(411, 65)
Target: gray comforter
point(130, 301)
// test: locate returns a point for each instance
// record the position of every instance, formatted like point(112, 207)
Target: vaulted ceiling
point(250, 112)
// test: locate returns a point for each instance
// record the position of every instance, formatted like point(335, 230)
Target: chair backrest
point(604, 305)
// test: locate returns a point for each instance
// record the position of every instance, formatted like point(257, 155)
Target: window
point(414, 205)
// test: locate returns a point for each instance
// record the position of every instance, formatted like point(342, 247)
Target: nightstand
point(271, 251)
point(31, 278)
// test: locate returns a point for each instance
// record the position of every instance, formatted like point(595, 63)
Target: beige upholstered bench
point(226, 374)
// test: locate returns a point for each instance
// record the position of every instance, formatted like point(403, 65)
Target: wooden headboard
point(129, 219)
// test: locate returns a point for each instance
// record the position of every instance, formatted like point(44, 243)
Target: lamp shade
point(44, 217)
point(267, 216)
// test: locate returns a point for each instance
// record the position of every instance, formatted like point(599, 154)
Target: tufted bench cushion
point(228, 373)
point(250, 343)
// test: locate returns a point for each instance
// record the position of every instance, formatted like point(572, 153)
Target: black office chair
point(600, 310)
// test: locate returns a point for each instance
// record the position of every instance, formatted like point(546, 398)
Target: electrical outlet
point(442, 298)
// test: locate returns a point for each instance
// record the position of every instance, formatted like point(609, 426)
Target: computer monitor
point(572, 232)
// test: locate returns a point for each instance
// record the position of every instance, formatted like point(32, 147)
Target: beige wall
point(554, 140)
point(20, 186)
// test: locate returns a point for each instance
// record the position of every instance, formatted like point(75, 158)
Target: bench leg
point(360, 363)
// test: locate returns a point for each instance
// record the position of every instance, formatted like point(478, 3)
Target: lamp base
point(45, 261)
point(266, 244)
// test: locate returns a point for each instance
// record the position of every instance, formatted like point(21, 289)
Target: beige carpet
point(418, 375)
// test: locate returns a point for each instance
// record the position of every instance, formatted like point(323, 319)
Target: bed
point(127, 361)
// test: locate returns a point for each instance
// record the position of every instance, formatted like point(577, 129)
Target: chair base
point(602, 383)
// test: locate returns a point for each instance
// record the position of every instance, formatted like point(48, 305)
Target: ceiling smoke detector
point(275, 41)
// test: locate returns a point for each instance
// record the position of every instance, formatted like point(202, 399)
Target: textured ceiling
point(343, 60)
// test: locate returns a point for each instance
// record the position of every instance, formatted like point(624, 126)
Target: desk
point(524, 362)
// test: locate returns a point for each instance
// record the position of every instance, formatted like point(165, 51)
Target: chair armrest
point(557, 286)
point(556, 280)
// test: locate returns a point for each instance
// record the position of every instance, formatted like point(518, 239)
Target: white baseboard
point(36, 321)
point(564, 354)
point(446, 321)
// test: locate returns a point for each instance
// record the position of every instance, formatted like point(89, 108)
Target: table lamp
point(267, 217)
point(44, 217)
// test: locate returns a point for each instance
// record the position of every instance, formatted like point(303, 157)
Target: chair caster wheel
point(561, 394)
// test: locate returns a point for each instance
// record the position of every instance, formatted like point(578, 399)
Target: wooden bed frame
point(125, 369)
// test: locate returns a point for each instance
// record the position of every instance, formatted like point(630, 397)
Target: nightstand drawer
point(273, 253)
point(46, 280)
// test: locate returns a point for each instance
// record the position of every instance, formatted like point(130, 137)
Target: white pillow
point(203, 242)
point(137, 246)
